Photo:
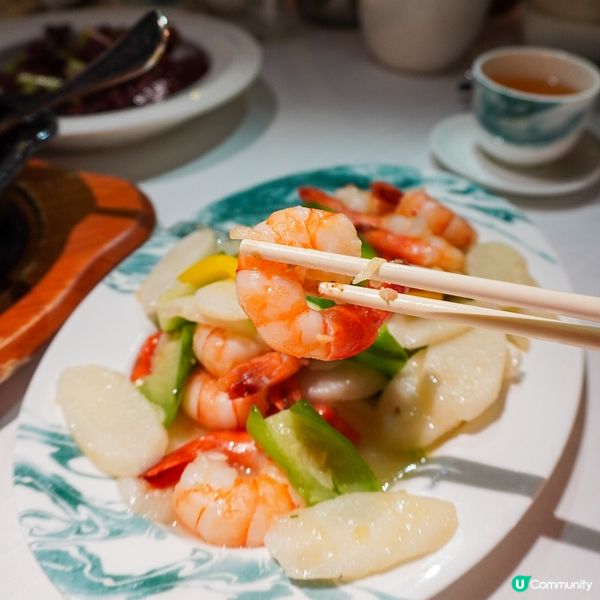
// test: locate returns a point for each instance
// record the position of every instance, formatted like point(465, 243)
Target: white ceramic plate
point(235, 60)
point(90, 545)
point(453, 142)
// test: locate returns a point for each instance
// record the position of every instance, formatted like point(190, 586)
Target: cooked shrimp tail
point(238, 445)
point(441, 220)
point(312, 195)
point(431, 252)
point(259, 373)
point(224, 403)
point(386, 193)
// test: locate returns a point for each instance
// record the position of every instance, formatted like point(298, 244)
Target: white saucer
point(453, 143)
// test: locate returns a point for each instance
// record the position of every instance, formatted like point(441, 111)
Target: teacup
point(532, 103)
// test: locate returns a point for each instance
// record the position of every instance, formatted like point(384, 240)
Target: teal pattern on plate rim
point(73, 534)
point(252, 205)
point(78, 537)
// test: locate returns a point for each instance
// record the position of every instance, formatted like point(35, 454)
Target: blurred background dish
point(101, 68)
point(579, 10)
point(453, 142)
point(234, 60)
point(563, 25)
point(338, 13)
point(420, 35)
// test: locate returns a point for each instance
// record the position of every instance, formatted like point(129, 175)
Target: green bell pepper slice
point(366, 250)
point(319, 461)
point(171, 364)
point(318, 303)
point(386, 365)
point(384, 354)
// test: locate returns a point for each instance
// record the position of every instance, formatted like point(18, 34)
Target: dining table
point(321, 100)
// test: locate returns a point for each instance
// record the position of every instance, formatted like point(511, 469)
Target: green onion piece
point(31, 82)
point(74, 66)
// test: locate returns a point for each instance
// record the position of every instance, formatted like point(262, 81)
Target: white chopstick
point(465, 314)
point(467, 286)
point(508, 294)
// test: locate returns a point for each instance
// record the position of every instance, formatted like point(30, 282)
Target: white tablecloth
point(322, 101)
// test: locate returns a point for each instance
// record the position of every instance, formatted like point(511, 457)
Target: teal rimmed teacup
point(531, 103)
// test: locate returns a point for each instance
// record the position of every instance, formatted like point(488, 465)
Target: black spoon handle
point(18, 145)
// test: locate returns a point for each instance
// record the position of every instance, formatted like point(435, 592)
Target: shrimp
point(220, 350)
point(273, 295)
point(440, 219)
point(227, 506)
point(415, 215)
point(430, 252)
point(225, 402)
point(227, 491)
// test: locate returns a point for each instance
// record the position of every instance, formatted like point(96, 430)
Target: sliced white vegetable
point(165, 303)
point(442, 386)
point(414, 332)
point(356, 534)
point(213, 304)
point(218, 302)
point(347, 380)
point(111, 421)
point(494, 260)
point(183, 306)
point(163, 276)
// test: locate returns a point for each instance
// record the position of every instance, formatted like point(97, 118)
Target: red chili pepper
point(329, 413)
point(143, 363)
point(284, 394)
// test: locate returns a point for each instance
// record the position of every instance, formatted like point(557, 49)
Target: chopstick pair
point(477, 288)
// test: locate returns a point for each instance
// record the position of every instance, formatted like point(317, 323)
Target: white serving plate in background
point(235, 60)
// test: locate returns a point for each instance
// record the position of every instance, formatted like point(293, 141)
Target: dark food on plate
point(45, 63)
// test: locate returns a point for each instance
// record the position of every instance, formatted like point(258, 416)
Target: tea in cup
point(532, 104)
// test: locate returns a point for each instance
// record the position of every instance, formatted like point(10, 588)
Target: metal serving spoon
point(21, 142)
point(134, 54)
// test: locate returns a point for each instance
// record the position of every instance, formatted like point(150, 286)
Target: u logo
point(520, 582)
